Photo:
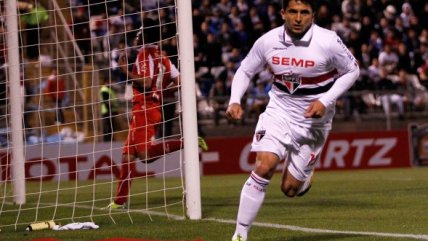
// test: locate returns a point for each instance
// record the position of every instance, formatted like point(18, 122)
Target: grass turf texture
point(381, 201)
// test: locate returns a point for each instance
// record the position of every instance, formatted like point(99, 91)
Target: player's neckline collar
point(304, 40)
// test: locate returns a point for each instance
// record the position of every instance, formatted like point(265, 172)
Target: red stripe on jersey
point(142, 68)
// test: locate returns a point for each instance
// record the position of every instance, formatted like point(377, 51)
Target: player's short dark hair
point(312, 3)
point(149, 33)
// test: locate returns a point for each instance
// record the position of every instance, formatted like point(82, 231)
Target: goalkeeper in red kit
point(152, 75)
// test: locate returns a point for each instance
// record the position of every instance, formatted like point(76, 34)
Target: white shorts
point(300, 147)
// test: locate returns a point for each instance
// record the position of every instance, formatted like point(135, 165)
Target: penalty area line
point(316, 230)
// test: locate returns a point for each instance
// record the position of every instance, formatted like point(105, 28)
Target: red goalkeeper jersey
point(150, 63)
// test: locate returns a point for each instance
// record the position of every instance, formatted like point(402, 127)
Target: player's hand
point(234, 112)
point(315, 110)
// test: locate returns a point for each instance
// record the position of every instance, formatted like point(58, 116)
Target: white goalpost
point(61, 135)
point(17, 162)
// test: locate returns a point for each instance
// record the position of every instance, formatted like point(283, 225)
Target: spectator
point(227, 74)
point(256, 22)
point(34, 18)
point(99, 26)
point(112, 39)
point(423, 37)
point(424, 15)
point(212, 52)
point(81, 31)
point(235, 17)
point(55, 90)
point(323, 16)
point(224, 7)
point(242, 37)
point(273, 19)
point(404, 59)
point(374, 77)
point(198, 52)
point(234, 56)
point(375, 43)
point(366, 28)
point(114, 62)
point(423, 72)
point(198, 19)
point(351, 10)
point(415, 94)
point(390, 14)
point(167, 20)
point(389, 82)
point(257, 97)
point(218, 100)
point(206, 8)
point(365, 56)
point(419, 55)
point(374, 71)
point(368, 9)
point(411, 40)
point(242, 5)
point(109, 109)
point(214, 22)
point(406, 14)
point(343, 28)
point(388, 59)
point(382, 27)
point(225, 36)
point(391, 39)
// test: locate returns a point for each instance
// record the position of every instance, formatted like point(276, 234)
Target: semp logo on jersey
point(291, 81)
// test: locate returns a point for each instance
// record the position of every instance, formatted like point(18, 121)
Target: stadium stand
point(389, 38)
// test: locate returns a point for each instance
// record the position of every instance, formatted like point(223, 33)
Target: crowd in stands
point(389, 39)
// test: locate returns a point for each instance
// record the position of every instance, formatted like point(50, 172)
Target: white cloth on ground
point(76, 226)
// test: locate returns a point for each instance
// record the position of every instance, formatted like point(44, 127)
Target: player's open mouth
point(297, 27)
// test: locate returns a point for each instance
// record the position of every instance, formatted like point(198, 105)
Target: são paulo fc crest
point(291, 81)
point(260, 134)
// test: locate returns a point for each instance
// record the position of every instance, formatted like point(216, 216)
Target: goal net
point(66, 108)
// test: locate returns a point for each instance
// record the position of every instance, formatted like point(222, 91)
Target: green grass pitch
point(382, 204)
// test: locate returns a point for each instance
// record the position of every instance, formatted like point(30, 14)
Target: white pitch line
point(281, 226)
point(316, 230)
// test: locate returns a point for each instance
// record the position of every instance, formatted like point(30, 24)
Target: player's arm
point(240, 84)
point(175, 79)
point(142, 81)
point(252, 64)
point(348, 68)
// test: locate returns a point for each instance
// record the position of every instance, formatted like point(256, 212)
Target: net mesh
point(73, 132)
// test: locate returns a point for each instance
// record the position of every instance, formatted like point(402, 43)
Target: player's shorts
point(142, 129)
point(299, 146)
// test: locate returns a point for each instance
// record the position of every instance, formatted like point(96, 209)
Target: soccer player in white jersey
point(312, 68)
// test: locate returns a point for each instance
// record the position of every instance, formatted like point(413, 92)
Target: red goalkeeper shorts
point(142, 129)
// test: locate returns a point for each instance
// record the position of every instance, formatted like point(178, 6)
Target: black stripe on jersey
point(305, 91)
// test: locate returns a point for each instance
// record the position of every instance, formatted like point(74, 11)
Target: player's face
point(298, 17)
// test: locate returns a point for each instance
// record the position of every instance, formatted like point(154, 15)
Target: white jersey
point(318, 66)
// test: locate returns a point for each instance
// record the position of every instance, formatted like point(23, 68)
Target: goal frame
point(188, 96)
